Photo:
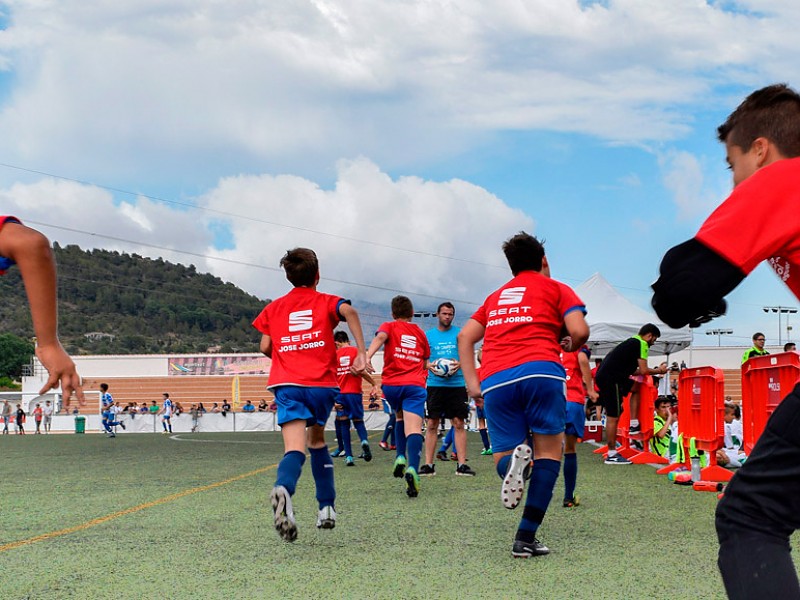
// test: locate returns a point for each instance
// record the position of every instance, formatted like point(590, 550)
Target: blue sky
point(403, 141)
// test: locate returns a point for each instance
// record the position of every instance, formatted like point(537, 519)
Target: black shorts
point(447, 402)
point(612, 394)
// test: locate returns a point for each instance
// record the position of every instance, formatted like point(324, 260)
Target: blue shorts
point(408, 398)
point(108, 415)
point(576, 419)
point(353, 405)
point(530, 397)
point(310, 404)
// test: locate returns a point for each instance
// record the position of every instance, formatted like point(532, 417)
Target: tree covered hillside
point(114, 303)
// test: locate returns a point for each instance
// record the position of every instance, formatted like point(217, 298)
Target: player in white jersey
point(166, 414)
point(108, 415)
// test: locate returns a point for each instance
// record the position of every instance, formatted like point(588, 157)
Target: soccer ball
point(443, 367)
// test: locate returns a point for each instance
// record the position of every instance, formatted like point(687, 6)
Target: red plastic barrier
point(766, 381)
point(701, 408)
point(647, 398)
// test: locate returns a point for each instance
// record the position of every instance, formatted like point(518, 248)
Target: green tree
point(15, 352)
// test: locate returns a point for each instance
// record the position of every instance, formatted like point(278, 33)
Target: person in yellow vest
point(662, 421)
point(757, 348)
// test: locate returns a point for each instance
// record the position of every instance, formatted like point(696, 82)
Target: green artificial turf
point(634, 535)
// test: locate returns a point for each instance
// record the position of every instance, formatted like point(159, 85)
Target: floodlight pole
point(719, 333)
point(786, 310)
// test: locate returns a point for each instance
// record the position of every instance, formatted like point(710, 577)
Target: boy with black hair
point(108, 413)
point(614, 380)
point(662, 421)
point(351, 399)
point(30, 251)
point(405, 363)
point(758, 221)
point(522, 380)
point(297, 334)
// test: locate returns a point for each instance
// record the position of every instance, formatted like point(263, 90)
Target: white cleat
point(513, 487)
point(326, 519)
point(285, 524)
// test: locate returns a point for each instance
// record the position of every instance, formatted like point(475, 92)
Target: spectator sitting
point(178, 409)
point(154, 407)
point(226, 407)
point(201, 409)
point(249, 407)
point(662, 422)
point(143, 408)
point(214, 407)
point(262, 406)
point(273, 407)
point(731, 455)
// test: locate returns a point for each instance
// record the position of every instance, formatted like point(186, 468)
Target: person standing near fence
point(757, 222)
point(47, 413)
point(6, 413)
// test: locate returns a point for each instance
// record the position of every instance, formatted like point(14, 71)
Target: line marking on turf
point(133, 509)
point(178, 438)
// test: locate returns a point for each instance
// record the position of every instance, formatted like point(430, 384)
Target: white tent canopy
point(613, 319)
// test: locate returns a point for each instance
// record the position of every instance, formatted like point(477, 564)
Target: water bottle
point(695, 468)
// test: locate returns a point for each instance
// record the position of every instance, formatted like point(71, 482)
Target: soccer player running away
point(759, 221)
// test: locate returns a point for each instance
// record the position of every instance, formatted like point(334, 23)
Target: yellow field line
point(128, 511)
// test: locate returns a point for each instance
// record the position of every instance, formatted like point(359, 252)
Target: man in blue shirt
point(447, 396)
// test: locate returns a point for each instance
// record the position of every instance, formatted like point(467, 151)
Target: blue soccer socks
point(414, 444)
point(289, 470)
point(502, 465)
point(400, 434)
point(570, 475)
point(485, 438)
point(361, 430)
point(322, 469)
point(540, 492)
point(345, 433)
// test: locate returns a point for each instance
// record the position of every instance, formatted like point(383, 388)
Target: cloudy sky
point(404, 141)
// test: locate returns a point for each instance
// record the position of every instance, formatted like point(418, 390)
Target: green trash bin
point(80, 424)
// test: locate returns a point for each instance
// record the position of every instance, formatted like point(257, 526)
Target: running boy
point(166, 413)
point(522, 379)
point(759, 221)
point(298, 336)
point(405, 363)
point(30, 250)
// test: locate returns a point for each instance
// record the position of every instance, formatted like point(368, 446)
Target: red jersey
point(768, 203)
point(348, 383)
point(404, 354)
point(5, 263)
point(301, 325)
point(575, 390)
point(523, 321)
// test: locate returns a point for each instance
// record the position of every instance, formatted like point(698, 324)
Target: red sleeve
point(569, 301)
point(426, 347)
point(758, 219)
point(261, 322)
point(480, 315)
point(385, 328)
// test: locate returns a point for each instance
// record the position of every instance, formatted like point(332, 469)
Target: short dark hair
point(662, 400)
point(341, 337)
point(758, 334)
point(734, 408)
point(772, 112)
point(650, 328)
point(446, 305)
point(165, 394)
point(301, 266)
point(788, 346)
point(402, 308)
point(103, 387)
point(523, 253)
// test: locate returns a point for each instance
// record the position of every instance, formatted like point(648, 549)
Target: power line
point(250, 218)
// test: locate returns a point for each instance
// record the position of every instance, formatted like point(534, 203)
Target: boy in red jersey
point(759, 221)
point(405, 364)
point(522, 379)
point(298, 336)
point(579, 386)
point(351, 399)
point(30, 251)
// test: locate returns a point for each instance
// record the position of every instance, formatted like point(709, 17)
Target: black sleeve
point(693, 281)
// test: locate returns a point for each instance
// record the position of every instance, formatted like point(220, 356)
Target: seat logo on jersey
point(511, 296)
point(408, 341)
point(344, 361)
point(300, 320)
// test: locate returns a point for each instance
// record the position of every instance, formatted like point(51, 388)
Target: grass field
point(149, 516)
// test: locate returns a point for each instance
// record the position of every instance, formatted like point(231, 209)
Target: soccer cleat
point(617, 459)
point(337, 453)
point(513, 487)
point(349, 462)
point(384, 445)
point(165, 432)
point(427, 470)
point(111, 434)
point(367, 454)
point(412, 483)
point(123, 426)
point(572, 502)
point(399, 466)
point(486, 452)
point(522, 549)
point(635, 429)
point(442, 455)
point(284, 515)
point(454, 456)
point(326, 518)
point(464, 470)
point(392, 447)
